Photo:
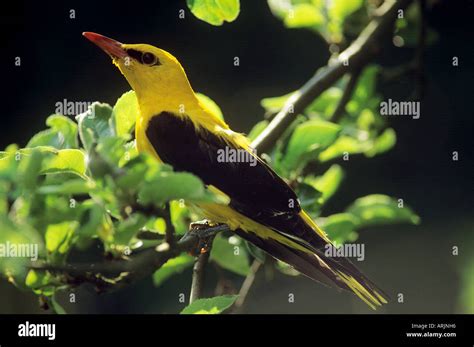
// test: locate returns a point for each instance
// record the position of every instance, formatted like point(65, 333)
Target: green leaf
point(131, 152)
point(59, 236)
point(380, 209)
point(133, 176)
point(366, 84)
point(62, 133)
point(307, 139)
point(9, 160)
point(256, 252)
point(279, 8)
point(275, 104)
point(215, 12)
point(125, 112)
point(340, 227)
point(29, 169)
point(304, 15)
point(168, 186)
point(112, 149)
point(366, 120)
point(257, 129)
point(53, 160)
point(210, 105)
point(34, 278)
point(91, 220)
point(286, 269)
point(340, 9)
point(326, 17)
point(172, 267)
point(337, 11)
point(94, 124)
point(171, 186)
point(309, 197)
point(75, 186)
point(326, 103)
point(17, 234)
point(128, 228)
point(214, 305)
point(383, 143)
point(180, 217)
point(343, 145)
point(4, 193)
point(155, 226)
point(231, 254)
point(328, 183)
point(40, 282)
point(65, 160)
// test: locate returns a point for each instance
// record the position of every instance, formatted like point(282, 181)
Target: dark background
point(58, 63)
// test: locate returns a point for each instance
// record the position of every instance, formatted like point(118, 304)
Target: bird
point(176, 128)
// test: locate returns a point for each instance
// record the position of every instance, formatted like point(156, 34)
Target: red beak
point(108, 45)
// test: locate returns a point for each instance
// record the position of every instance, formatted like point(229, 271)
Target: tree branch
point(358, 54)
point(248, 282)
point(198, 276)
point(170, 232)
point(346, 96)
point(136, 266)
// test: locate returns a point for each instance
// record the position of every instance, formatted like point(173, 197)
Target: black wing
point(255, 191)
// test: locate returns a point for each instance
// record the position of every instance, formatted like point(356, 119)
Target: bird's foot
point(204, 230)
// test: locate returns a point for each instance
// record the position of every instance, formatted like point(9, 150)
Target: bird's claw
point(204, 241)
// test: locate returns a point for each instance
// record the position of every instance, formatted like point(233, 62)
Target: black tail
point(333, 272)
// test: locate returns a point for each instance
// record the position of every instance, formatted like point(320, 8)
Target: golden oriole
point(177, 129)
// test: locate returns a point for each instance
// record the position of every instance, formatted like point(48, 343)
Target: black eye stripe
point(146, 58)
point(137, 55)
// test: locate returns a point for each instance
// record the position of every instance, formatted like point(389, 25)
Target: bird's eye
point(149, 58)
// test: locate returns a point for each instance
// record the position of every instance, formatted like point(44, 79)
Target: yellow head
point(153, 73)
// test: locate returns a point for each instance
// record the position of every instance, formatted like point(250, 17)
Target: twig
point(198, 276)
point(170, 232)
point(346, 96)
point(199, 268)
point(248, 282)
point(359, 53)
